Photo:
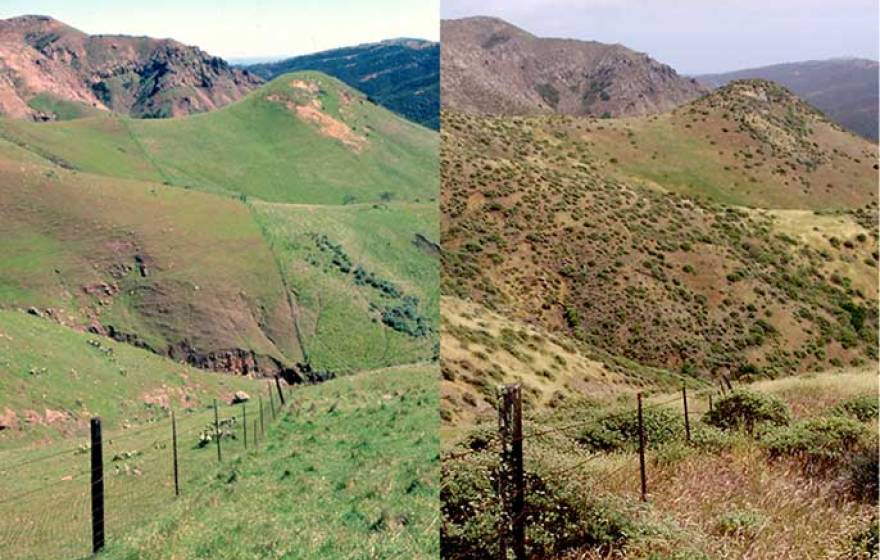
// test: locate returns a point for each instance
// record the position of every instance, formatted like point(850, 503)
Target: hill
point(402, 75)
point(303, 138)
point(53, 71)
point(845, 89)
point(120, 240)
point(547, 220)
point(493, 67)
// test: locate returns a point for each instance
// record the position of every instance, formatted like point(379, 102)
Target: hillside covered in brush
point(51, 71)
point(210, 239)
point(402, 75)
point(847, 90)
point(734, 237)
point(493, 67)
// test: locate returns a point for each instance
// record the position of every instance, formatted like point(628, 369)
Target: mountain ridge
point(50, 69)
point(493, 67)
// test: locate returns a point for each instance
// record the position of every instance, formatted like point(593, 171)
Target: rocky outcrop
point(138, 76)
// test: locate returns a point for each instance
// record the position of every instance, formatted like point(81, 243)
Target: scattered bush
point(740, 523)
point(865, 544)
point(744, 409)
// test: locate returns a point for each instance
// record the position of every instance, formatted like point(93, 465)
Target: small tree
point(743, 409)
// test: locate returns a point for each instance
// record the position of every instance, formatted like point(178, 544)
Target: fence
point(511, 482)
point(68, 502)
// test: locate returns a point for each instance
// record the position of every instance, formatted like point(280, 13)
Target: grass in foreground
point(351, 472)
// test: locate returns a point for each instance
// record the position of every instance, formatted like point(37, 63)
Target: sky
point(700, 36)
point(246, 28)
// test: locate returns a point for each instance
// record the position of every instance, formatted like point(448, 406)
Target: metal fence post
point(97, 487)
point(174, 447)
point(687, 420)
point(642, 451)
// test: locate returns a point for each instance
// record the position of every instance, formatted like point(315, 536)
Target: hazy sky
point(246, 28)
point(699, 36)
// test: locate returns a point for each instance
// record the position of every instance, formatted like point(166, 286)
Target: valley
point(723, 245)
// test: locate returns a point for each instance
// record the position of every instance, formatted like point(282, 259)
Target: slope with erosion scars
point(343, 149)
point(140, 262)
point(535, 228)
point(49, 371)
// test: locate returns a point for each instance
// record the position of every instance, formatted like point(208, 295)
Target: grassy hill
point(303, 138)
point(120, 241)
point(541, 225)
point(402, 75)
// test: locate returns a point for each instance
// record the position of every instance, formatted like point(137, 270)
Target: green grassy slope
point(350, 473)
point(146, 262)
point(344, 149)
point(341, 317)
point(54, 379)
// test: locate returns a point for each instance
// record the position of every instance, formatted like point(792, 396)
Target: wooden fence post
point(262, 427)
point(256, 439)
point(244, 422)
point(710, 402)
point(511, 475)
point(642, 451)
point(280, 392)
point(97, 487)
point(217, 432)
point(174, 447)
point(687, 420)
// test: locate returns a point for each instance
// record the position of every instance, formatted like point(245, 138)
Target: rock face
point(492, 67)
point(44, 63)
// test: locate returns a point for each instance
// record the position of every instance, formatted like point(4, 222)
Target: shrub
point(743, 409)
point(621, 431)
point(739, 523)
point(560, 517)
point(821, 442)
point(865, 544)
point(863, 408)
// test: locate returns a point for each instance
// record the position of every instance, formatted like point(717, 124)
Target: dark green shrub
point(744, 409)
point(821, 442)
point(561, 515)
point(621, 431)
point(863, 408)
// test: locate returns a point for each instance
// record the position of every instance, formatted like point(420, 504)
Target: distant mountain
point(400, 74)
point(49, 70)
point(493, 67)
point(845, 89)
